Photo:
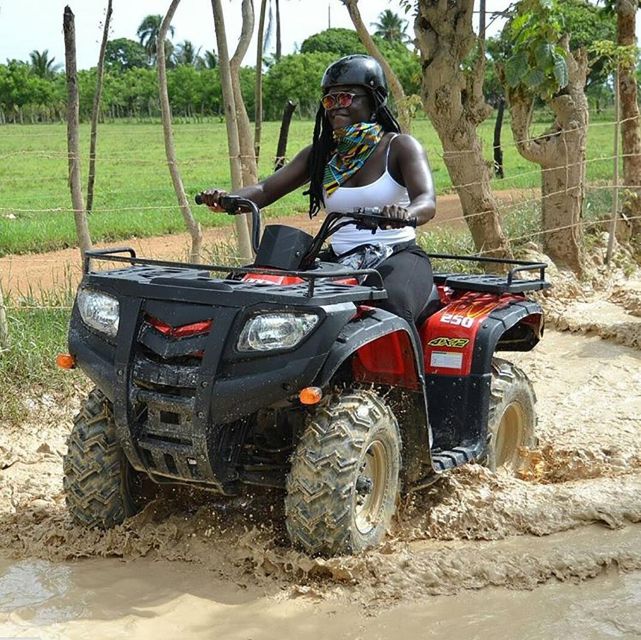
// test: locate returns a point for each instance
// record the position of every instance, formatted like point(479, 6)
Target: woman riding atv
point(358, 158)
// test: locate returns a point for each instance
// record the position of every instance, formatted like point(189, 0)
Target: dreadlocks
point(323, 146)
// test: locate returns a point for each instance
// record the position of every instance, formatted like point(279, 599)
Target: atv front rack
point(493, 283)
point(310, 278)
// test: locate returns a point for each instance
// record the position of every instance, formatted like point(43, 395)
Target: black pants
point(407, 277)
point(408, 280)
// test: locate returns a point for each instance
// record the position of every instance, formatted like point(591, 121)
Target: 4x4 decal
point(455, 343)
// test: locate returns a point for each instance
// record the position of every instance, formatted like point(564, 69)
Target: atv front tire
point(101, 488)
point(512, 416)
point(344, 480)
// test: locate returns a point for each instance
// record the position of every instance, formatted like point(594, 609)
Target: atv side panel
point(458, 388)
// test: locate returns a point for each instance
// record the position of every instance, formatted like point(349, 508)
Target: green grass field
point(134, 194)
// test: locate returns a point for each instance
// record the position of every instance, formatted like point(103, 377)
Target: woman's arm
point(409, 162)
point(292, 176)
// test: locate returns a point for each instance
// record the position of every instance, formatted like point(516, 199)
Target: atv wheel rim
point(509, 436)
point(370, 486)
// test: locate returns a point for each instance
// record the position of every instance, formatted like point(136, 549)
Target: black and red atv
point(285, 374)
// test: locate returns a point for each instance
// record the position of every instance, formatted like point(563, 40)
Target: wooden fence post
point(290, 107)
point(4, 329)
point(73, 145)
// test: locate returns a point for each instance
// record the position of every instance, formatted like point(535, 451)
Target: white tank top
point(383, 191)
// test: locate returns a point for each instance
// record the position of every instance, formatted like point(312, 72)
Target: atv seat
point(432, 305)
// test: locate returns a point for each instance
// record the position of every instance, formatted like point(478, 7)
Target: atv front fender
point(366, 329)
point(378, 333)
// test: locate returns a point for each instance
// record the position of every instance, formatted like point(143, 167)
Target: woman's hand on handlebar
point(398, 216)
point(211, 197)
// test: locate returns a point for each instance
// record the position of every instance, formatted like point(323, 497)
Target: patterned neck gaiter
point(354, 144)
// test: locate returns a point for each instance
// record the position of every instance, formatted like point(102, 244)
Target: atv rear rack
point(309, 277)
point(493, 283)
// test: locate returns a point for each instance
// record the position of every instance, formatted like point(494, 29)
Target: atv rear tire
point(344, 480)
point(512, 416)
point(101, 488)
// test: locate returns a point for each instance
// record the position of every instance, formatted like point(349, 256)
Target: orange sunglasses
point(339, 100)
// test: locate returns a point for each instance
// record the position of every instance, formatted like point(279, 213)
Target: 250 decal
point(457, 321)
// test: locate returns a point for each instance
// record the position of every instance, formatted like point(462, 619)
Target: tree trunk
point(258, 110)
point(73, 145)
point(453, 99)
point(402, 106)
point(278, 32)
point(96, 108)
point(233, 144)
point(630, 125)
point(192, 224)
point(561, 153)
point(245, 137)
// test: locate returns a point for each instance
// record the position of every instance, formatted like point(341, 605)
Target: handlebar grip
point(229, 203)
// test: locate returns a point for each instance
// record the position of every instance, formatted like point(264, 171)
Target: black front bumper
point(182, 406)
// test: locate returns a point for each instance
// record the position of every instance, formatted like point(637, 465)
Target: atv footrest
point(448, 459)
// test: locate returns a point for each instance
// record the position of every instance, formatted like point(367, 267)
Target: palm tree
point(391, 27)
point(187, 54)
point(42, 65)
point(148, 34)
point(210, 59)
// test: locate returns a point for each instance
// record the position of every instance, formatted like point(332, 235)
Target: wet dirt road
point(555, 553)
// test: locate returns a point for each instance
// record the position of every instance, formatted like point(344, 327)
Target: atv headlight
point(99, 311)
point(275, 331)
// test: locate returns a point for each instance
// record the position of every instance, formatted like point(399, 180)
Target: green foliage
point(537, 63)
point(122, 54)
point(614, 55)
point(529, 43)
point(339, 42)
point(295, 77)
point(131, 85)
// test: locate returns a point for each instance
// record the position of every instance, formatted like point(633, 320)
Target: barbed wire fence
point(14, 300)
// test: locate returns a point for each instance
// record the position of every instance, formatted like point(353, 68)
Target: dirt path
point(45, 272)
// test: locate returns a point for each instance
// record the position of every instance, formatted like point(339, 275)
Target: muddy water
point(476, 553)
point(145, 599)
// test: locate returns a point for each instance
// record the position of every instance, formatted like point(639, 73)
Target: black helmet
point(357, 69)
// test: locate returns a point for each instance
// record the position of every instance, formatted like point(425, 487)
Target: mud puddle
point(146, 599)
point(570, 516)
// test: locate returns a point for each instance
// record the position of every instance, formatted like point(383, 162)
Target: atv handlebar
point(364, 218)
point(235, 205)
point(371, 218)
